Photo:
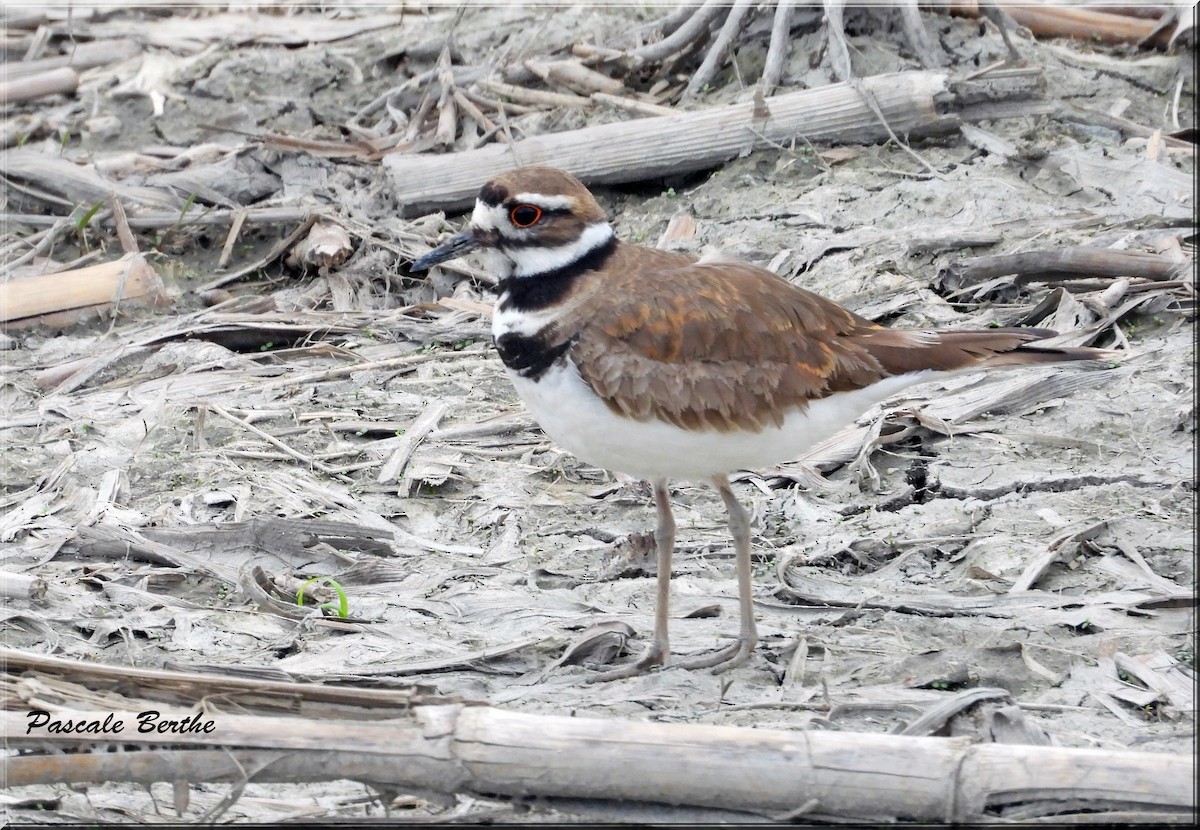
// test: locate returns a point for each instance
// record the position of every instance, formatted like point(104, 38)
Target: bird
point(666, 367)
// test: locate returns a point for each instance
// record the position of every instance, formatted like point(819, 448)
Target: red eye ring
point(525, 216)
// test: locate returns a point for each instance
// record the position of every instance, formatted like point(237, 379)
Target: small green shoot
point(343, 606)
point(81, 222)
point(183, 211)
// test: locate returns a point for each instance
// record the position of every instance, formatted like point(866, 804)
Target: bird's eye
point(525, 216)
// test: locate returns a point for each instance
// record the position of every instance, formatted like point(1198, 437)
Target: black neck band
point(536, 291)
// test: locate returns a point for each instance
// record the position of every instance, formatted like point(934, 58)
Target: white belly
point(578, 421)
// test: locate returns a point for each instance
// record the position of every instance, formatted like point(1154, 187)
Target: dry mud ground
point(505, 549)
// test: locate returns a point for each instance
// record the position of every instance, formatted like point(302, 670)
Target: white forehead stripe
point(534, 260)
point(488, 217)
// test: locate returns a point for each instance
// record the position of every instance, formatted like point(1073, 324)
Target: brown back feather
point(730, 346)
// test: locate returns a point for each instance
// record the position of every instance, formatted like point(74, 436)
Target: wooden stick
point(631, 104)
point(716, 53)
point(683, 37)
point(447, 112)
point(839, 59)
point(918, 36)
point(777, 52)
point(417, 120)
point(576, 76)
point(76, 183)
point(235, 230)
point(283, 246)
point(1069, 263)
point(1004, 22)
point(271, 439)
point(534, 96)
point(38, 244)
point(124, 232)
point(1067, 111)
point(474, 95)
point(911, 102)
point(674, 20)
point(838, 50)
point(473, 111)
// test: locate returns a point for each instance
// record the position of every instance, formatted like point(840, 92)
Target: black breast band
point(530, 356)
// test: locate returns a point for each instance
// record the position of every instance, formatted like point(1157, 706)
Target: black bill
point(455, 246)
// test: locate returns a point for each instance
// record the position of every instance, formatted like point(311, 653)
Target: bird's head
point(532, 220)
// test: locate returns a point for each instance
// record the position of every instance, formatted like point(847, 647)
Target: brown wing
point(714, 346)
point(730, 346)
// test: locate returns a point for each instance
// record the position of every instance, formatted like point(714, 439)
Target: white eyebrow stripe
point(545, 202)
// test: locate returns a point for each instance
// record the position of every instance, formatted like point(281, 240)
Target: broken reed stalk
point(81, 290)
point(452, 747)
point(83, 55)
point(194, 216)
point(51, 82)
point(911, 102)
point(21, 586)
point(413, 436)
point(1062, 21)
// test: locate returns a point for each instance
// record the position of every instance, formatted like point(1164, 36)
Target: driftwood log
point(402, 739)
point(910, 102)
point(460, 748)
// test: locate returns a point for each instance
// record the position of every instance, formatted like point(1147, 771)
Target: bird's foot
point(720, 661)
point(653, 656)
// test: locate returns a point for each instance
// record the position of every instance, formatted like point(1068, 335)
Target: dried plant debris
point(241, 440)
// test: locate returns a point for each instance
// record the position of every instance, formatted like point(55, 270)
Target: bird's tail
point(907, 350)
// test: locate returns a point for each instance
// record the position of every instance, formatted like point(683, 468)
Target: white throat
point(534, 260)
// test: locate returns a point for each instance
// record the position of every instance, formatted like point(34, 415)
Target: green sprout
point(343, 605)
point(86, 219)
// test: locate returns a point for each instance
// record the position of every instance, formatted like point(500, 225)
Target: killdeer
point(663, 367)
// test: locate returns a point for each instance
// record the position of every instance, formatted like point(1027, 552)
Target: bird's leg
point(739, 528)
point(664, 542)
